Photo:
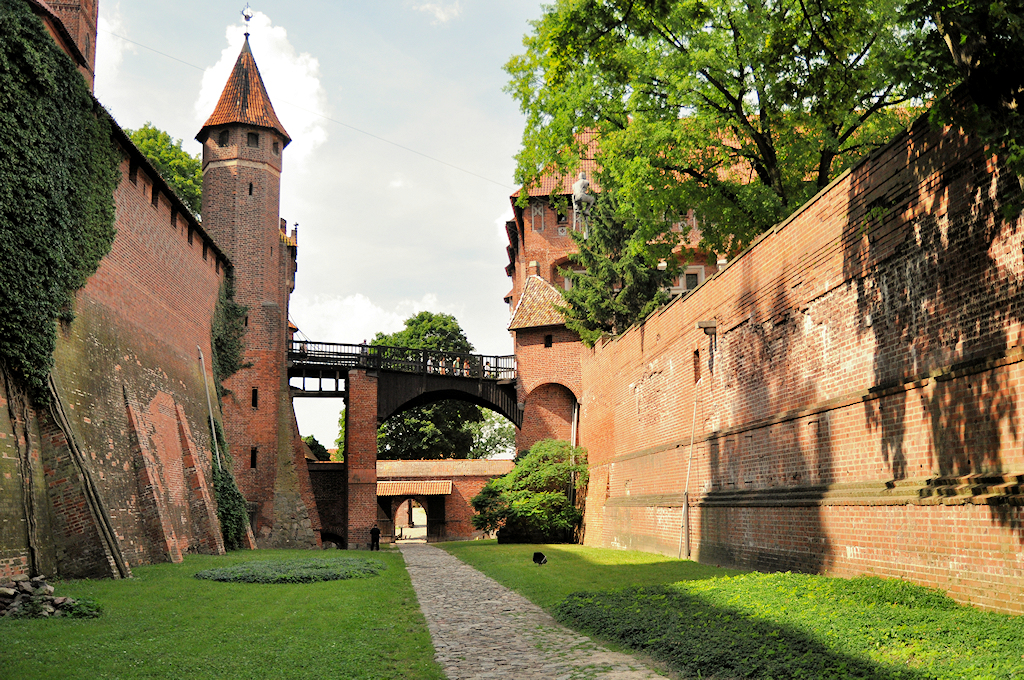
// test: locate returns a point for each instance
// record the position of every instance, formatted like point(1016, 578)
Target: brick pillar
point(361, 456)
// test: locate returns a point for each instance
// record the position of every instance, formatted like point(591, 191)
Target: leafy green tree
point(493, 436)
point(59, 167)
point(318, 449)
point(180, 169)
point(981, 44)
point(739, 110)
point(619, 283)
point(439, 430)
point(536, 499)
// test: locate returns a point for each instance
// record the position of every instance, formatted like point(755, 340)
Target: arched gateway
point(378, 382)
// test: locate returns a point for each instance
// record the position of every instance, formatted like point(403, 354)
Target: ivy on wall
point(227, 340)
point(228, 335)
point(59, 167)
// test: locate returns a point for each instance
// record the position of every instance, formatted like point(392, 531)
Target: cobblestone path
point(481, 629)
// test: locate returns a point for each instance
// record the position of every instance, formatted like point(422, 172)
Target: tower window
point(190, 235)
point(223, 138)
point(174, 217)
point(205, 247)
point(255, 397)
point(247, 322)
point(155, 196)
point(133, 172)
point(696, 365)
point(549, 340)
point(254, 140)
point(250, 188)
point(252, 457)
point(277, 148)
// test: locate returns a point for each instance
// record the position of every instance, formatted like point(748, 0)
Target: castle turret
point(243, 146)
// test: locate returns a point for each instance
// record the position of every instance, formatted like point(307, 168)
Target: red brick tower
point(243, 144)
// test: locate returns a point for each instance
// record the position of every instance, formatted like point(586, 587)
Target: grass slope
point(764, 626)
point(574, 567)
point(166, 624)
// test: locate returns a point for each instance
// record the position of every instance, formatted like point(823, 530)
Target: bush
point(295, 571)
point(535, 501)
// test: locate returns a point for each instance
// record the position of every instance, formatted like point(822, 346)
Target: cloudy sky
point(401, 163)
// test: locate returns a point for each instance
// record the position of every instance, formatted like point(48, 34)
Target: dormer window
point(254, 140)
point(223, 138)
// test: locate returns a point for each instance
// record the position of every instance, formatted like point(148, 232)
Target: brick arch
point(434, 396)
point(548, 413)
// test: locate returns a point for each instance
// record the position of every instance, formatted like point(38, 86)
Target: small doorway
point(411, 521)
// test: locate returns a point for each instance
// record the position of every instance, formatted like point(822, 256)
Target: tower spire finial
point(247, 14)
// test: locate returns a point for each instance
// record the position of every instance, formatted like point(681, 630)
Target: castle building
point(548, 354)
point(243, 149)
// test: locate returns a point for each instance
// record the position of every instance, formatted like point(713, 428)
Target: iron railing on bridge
point(402, 359)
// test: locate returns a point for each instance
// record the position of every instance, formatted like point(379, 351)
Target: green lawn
point(166, 624)
point(574, 567)
point(712, 623)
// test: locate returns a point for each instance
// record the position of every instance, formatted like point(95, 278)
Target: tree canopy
point(981, 43)
point(180, 169)
point(739, 110)
point(619, 283)
point(492, 436)
point(441, 429)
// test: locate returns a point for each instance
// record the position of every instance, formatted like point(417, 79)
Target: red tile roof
point(420, 487)
point(537, 305)
point(562, 184)
point(245, 99)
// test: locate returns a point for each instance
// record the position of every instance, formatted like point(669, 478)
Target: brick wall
point(468, 477)
point(857, 409)
point(361, 456)
point(241, 202)
point(548, 382)
point(133, 487)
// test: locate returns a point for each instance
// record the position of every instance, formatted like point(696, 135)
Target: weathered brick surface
point(857, 410)
point(132, 348)
point(361, 456)
point(241, 203)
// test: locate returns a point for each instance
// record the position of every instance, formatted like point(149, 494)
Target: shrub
point(536, 499)
point(295, 571)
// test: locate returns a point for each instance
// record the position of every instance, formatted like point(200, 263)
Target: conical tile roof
point(244, 99)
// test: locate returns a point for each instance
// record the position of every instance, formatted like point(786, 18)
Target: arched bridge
point(405, 377)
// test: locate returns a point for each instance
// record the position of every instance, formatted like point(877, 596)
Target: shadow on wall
point(759, 369)
point(939, 286)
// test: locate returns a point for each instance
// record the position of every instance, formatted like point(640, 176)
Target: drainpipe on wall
point(684, 529)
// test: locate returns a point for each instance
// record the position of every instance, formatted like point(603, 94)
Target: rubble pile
point(33, 597)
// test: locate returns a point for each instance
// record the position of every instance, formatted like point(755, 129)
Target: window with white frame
point(689, 279)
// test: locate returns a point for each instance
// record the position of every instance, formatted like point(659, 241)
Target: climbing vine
point(58, 172)
point(227, 339)
point(232, 510)
point(228, 335)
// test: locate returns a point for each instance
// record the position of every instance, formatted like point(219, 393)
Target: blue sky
point(384, 232)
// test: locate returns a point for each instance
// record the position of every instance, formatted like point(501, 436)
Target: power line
point(328, 118)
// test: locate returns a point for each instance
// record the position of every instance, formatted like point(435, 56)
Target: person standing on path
point(375, 538)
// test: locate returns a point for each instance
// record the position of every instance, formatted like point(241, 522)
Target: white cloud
point(292, 80)
point(110, 49)
point(354, 318)
point(443, 13)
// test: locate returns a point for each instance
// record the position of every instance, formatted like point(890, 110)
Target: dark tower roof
point(244, 99)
